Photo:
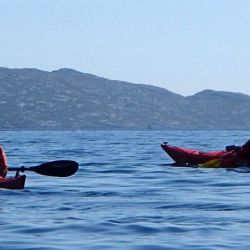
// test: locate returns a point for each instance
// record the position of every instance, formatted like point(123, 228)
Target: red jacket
point(3, 163)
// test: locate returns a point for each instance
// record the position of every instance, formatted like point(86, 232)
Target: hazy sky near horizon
point(185, 46)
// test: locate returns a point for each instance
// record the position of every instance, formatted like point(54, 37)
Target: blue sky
point(185, 46)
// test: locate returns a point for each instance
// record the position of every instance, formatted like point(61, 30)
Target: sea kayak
point(230, 157)
point(16, 182)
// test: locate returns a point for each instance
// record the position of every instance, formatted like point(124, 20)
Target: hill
point(66, 99)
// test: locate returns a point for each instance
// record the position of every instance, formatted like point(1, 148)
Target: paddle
point(61, 168)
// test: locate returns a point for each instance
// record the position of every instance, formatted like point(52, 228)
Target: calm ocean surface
point(124, 195)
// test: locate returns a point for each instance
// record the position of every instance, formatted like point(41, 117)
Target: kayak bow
point(186, 155)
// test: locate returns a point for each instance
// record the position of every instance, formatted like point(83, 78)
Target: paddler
point(237, 156)
point(3, 163)
point(244, 151)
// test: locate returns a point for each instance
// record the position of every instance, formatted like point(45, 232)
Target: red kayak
point(232, 156)
point(17, 182)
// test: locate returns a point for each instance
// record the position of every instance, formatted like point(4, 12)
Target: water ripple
point(125, 195)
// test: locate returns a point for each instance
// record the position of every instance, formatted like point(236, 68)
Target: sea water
point(124, 196)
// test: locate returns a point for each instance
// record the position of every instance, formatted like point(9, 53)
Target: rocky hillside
point(67, 99)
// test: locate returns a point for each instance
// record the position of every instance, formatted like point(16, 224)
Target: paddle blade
point(214, 163)
point(61, 168)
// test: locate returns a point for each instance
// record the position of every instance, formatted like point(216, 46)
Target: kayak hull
point(17, 182)
point(190, 156)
